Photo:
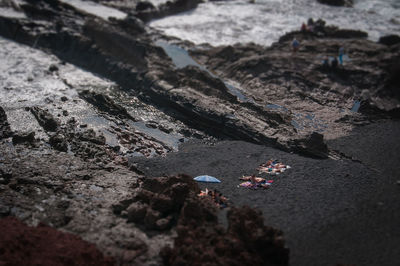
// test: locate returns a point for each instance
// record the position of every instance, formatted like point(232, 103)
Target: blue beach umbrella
point(206, 178)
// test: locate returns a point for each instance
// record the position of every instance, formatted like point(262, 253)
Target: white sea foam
point(96, 9)
point(11, 13)
point(228, 22)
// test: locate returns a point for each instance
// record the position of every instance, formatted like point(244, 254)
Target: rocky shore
point(105, 122)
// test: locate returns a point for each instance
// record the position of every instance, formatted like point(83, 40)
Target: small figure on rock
point(334, 63)
point(303, 27)
point(325, 62)
point(295, 45)
point(341, 54)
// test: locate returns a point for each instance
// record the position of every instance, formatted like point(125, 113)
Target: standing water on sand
point(229, 22)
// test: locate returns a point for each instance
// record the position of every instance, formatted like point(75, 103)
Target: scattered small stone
point(53, 68)
point(136, 212)
point(72, 120)
point(45, 119)
point(4, 211)
point(83, 125)
point(59, 142)
point(151, 124)
point(64, 98)
point(23, 137)
point(65, 113)
point(95, 188)
point(116, 148)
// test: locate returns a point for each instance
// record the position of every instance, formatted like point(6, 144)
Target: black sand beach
point(331, 211)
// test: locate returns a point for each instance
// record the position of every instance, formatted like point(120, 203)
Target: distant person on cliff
point(303, 27)
point(325, 63)
point(295, 45)
point(310, 25)
point(334, 63)
point(341, 54)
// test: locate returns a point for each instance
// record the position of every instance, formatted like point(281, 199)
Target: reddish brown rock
point(44, 245)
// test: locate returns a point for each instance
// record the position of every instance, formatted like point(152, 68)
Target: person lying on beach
point(249, 184)
point(252, 178)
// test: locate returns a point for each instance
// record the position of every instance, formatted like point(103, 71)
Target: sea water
point(263, 22)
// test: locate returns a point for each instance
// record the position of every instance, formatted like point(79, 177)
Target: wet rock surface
point(102, 129)
point(105, 104)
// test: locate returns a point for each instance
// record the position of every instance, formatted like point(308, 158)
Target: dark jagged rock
point(313, 145)
point(334, 32)
point(118, 44)
point(347, 3)
point(392, 81)
point(172, 201)
point(19, 138)
point(247, 241)
point(136, 212)
point(158, 204)
point(45, 119)
point(127, 62)
point(105, 104)
point(90, 135)
point(5, 175)
point(275, 75)
point(64, 98)
point(190, 94)
point(321, 30)
point(59, 142)
point(390, 39)
point(53, 68)
point(144, 5)
point(5, 130)
point(166, 9)
point(132, 24)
